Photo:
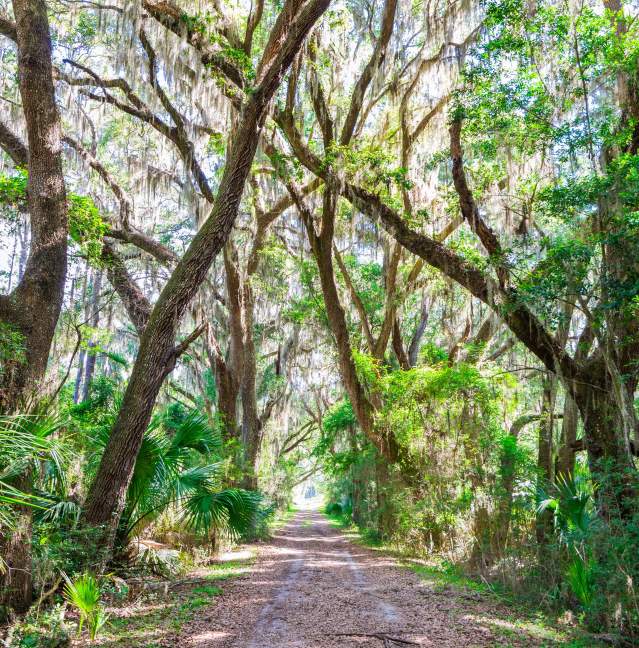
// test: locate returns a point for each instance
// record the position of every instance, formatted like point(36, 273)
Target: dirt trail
point(312, 588)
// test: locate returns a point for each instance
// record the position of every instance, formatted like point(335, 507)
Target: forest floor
point(311, 586)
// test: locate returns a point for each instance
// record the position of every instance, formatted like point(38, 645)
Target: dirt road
point(312, 588)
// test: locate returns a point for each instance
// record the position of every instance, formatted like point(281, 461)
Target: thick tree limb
point(13, 146)
point(135, 303)
point(373, 64)
point(8, 29)
point(357, 302)
point(469, 208)
point(170, 16)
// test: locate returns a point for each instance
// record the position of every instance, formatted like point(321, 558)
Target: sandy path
point(312, 588)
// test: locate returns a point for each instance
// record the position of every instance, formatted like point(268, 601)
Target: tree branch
point(13, 146)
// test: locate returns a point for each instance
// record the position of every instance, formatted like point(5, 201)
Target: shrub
point(45, 630)
point(83, 594)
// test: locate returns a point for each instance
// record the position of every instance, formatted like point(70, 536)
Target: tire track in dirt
point(312, 588)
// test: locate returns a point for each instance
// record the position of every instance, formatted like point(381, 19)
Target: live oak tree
point(30, 313)
point(158, 351)
point(408, 268)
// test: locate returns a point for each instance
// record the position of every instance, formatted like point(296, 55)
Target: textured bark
point(398, 347)
point(611, 463)
point(251, 422)
point(34, 306)
point(41, 287)
point(13, 146)
point(17, 585)
point(133, 299)
point(566, 453)
point(418, 334)
point(157, 356)
point(227, 388)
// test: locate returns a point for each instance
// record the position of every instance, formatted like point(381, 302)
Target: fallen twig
point(376, 635)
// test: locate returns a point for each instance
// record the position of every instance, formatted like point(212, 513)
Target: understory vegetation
point(378, 251)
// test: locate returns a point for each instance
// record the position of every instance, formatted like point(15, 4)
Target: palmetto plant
point(83, 593)
point(27, 442)
point(572, 506)
point(179, 465)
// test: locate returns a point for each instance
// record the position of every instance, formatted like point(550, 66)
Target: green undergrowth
point(517, 617)
point(153, 618)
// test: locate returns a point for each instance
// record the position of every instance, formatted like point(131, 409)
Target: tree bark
point(41, 288)
point(610, 462)
point(34, 306)
point(566, 453)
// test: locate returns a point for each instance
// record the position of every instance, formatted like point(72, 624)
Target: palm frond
point(232, 509)
point(196, 432)
point(60, 511)
point(26, 438)
point(197, 478)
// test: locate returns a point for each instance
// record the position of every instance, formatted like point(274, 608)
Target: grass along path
point(155, 618)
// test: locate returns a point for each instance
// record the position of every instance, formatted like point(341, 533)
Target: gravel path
point(312, 588)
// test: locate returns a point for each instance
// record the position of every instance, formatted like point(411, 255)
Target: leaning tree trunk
point(158, 353)
point(32, 310)
point(242, 366)
point(251, 423)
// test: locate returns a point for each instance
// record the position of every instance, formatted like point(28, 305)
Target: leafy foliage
point(83, 593)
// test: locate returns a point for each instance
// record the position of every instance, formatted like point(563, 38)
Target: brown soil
point(312, 588)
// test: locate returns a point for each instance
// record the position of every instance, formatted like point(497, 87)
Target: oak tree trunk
point(34, 306)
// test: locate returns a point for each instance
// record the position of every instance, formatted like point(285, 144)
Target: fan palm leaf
point(26, 440)
point(83, 593)
point(233, 509)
